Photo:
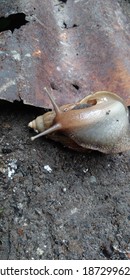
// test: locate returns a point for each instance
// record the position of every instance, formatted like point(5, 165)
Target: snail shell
point(99, 122)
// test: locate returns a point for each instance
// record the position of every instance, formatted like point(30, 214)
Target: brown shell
point(98, 122)
point(72, 47)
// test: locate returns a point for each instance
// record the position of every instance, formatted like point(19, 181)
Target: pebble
point(93, 180)
point(48, 168)
point(39, 251)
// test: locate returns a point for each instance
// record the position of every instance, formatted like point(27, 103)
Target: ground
point(56, 203)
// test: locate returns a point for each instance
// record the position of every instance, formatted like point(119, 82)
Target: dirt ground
point(56, 203)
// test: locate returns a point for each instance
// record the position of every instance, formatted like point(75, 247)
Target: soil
point(56, 203)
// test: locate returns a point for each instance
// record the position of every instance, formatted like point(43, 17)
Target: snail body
point(99, 122)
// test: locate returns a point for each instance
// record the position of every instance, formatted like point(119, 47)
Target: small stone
point(85, 170)
point(93, 179)
point(48, 168)
point(12, 166)
point(39, 251)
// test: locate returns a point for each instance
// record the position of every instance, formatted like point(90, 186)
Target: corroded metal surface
point(74, 48)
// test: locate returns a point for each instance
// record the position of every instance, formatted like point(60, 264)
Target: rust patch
point(71, 47)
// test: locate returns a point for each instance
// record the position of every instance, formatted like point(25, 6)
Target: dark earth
point(56, 203)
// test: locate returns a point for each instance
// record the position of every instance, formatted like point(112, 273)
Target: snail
point(99, 121)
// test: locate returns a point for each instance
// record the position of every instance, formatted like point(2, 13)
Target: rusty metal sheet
point(73, 47)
